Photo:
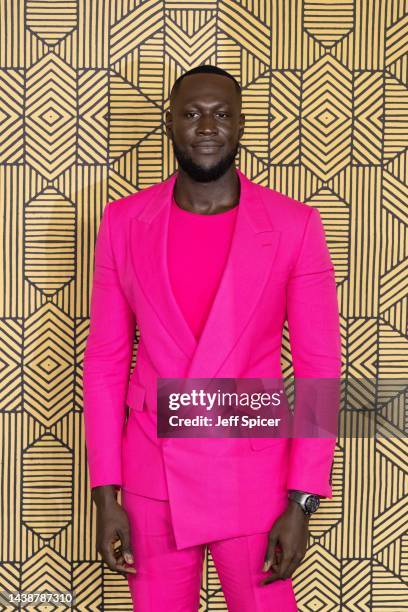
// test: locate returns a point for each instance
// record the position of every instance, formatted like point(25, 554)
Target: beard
point(201, 174)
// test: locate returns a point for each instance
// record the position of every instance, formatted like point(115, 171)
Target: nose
point(206, 125)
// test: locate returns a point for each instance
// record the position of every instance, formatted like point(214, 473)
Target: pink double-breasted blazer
point(279, 268)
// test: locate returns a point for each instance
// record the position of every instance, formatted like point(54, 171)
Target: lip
point(207, 145)
point(209, 148)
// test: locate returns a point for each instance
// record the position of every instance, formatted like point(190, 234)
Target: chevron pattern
point(84, 86)
point(326, 118)
point(50, 118)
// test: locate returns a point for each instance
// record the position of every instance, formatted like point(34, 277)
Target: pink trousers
point(168, 579)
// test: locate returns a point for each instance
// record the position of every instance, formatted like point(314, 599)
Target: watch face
point(312, 503)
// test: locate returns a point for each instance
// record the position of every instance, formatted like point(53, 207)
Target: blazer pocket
point(260, 443)
point(135, 396)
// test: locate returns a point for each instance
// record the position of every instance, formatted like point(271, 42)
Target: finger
point(287, 559)
point(119, 557)
point(275, 569)
point(270, 579)
point(120, 564)
point(278, 559)
point(108, 556)
point(124, 567)
point(270, 558)
point(292, 567)
point(126, 547)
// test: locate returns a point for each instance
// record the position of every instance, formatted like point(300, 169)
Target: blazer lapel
point(249, 263)
point(250, 260)
point(148, 247)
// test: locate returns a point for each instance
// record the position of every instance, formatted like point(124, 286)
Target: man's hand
point(112, 526)
point(287, 543)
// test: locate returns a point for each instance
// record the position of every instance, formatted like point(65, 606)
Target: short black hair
point(208, 68)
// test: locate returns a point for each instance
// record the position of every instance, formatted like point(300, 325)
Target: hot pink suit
point(278, 268)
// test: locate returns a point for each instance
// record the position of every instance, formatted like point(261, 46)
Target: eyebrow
point(217, 105)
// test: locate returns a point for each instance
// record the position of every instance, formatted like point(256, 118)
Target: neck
point(207, 198)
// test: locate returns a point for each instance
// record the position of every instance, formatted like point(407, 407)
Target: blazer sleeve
point(106, 364)
point(315, 340)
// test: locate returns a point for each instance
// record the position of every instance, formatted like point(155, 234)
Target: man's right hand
point(112, 526)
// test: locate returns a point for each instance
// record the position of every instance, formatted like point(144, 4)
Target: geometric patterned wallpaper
point(84, 86)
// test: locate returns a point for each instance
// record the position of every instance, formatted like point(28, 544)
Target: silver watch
point(307, 501)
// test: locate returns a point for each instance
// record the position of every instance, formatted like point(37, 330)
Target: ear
point(242, 124)
point(168, 120)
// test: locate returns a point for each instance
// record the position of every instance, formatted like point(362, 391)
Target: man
point(179, 495)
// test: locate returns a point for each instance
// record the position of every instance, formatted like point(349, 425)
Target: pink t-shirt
point(198, 247)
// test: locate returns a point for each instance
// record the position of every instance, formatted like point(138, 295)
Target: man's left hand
point(287, 543)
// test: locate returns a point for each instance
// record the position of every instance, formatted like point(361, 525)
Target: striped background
point(84, 86)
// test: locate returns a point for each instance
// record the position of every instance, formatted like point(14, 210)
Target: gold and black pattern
point(84, 86)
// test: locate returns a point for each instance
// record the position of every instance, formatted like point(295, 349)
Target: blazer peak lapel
point(148, 236)
point(249, 263)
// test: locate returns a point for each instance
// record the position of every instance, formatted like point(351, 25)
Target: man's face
point(206, 108)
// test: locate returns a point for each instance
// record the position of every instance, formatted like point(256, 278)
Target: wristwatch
point(307, 501)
